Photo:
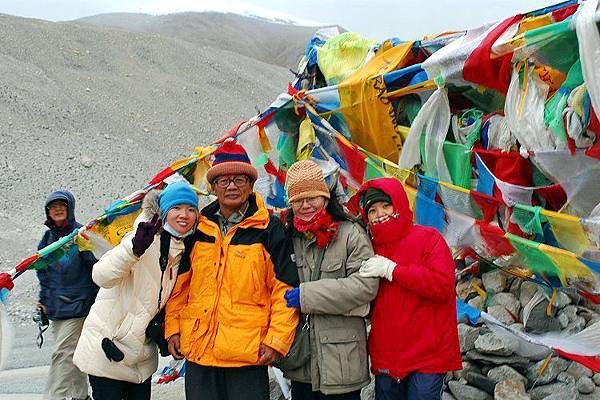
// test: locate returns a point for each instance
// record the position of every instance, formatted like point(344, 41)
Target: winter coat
point(126, 303)
point(413, 320)
point(339, 361)
point(66, 286)
point(231, 299)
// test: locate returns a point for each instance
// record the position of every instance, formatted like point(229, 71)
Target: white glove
point(377, 267)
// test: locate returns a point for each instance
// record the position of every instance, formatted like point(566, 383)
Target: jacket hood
point(394, 189)
point(65, 196)
point(150, 206)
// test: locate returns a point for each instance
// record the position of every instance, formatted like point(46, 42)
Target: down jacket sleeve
point(434, 278)
point(177, 301)
point(340, 296)
point(115, 264)
point(281, 277)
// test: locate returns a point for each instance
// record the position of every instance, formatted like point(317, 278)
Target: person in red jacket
point(414, 338)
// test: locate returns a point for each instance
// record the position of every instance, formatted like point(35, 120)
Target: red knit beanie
point(230, 159)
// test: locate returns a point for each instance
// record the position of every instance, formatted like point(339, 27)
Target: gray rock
point(490, 343)
point(570, 312)
point(510, 390)
point(596, 379)
point(595, 395)
point(518, 326)
point(539, 321)
point(86, 161)
point(500, 313)
point(554, 367)
point(576, 326)
point(481, 382)
point(447, 396)
point(562, 389)
point(476, 302)
point(577, 370)
point(505, 373)
point(566, 378)
point(466, 392)
point(515, 287)
point(494, 281)
point(563, 320)
point(514, 360)
point(526, 293)
point(467, 336)
point(585, 385)
point(561, 300)
point(508, 300)
point(467, 366)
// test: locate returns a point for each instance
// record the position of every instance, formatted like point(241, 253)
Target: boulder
point(508, 300)
point(476, 302)
point(577, 370)
point(494, 281)
point(585, 385)
point(596, 379)
point(494, 344)
point(576, 326)
point(447, 396)
point(505, 373)
point(561, 300)
point(501, 314)
point(526, 293)
point(467, 336)
point(538, 321)
point(466, 392)
point(514, 361)
point(554, 367)
point(510, 390)
point(481, 382)
point(566, 378)
point(561, 389)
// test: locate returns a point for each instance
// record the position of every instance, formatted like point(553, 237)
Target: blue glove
point(292, 298)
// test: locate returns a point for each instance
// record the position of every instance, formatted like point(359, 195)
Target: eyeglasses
point(224, 182)
point(57, 206)
point(312, 201)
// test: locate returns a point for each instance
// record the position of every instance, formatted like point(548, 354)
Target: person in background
point(117, 349)
point(66, 295)
point(413, 341)
point(227, 315)
point(333, 298)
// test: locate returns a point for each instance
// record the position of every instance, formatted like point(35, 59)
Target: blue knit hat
point(179, 192)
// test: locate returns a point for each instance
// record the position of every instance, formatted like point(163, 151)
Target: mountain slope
point(274, 43)
point(99, 111)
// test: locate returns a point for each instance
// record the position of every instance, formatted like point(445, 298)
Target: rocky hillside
point(273, 43)
point(100, 110)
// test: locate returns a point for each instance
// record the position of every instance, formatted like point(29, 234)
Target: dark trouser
point(111, 389)
point(218, 383)
point(303, 391)
point(415, 386)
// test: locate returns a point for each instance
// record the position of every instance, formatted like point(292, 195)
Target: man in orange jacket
point(227, 315)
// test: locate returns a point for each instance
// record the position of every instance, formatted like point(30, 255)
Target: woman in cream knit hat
point(333, 298)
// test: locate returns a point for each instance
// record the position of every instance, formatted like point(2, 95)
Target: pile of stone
point(491, 367)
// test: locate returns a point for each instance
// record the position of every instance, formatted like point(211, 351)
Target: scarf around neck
point(321, 225)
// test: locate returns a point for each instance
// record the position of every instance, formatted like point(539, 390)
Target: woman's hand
point(377, 267)
point(144, 235)
point(175, 347)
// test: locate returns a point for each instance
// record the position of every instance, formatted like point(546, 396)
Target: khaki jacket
point(339, 361)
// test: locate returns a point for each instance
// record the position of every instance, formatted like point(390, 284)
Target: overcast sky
point(377, 19)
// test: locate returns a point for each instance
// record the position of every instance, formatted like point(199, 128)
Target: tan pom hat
point(305, 179)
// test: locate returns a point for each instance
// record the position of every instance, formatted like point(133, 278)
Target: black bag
point(299, 352)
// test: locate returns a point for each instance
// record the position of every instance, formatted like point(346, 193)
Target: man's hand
point(42, 307)
point(267, 355)
point(175, 347)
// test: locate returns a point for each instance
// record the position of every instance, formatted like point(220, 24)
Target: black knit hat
point(371, 196)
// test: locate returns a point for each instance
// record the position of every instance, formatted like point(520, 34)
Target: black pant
point(111, 389)
point(303, 391)
point(219, 383)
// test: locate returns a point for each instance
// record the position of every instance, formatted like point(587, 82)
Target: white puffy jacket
point(126, 303)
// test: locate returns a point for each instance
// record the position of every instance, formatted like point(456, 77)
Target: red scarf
point(321, 225)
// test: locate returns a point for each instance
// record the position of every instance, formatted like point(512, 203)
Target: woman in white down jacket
point(135, 283)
